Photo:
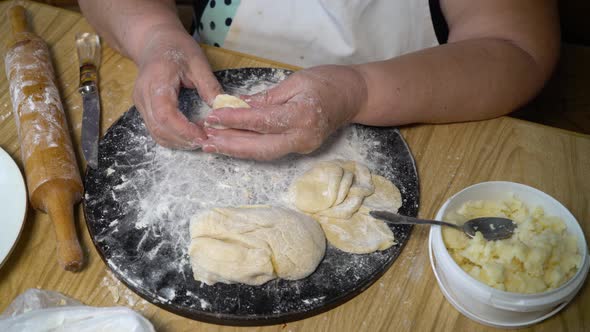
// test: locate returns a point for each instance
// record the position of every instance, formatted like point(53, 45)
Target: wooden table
point(407, 297)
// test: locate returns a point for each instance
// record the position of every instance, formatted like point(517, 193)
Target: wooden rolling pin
point(53, 179)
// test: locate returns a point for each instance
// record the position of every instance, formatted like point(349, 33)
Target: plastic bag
point(42, 310)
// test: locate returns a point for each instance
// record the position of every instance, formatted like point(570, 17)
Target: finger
point(155, 132)
point(250, 145)
point(150, 86)
point(201, 76)
point(161, 137)
point(272, 119)
point(169, 123)
point(279, 94)
point(138, 98)
point(213, 132)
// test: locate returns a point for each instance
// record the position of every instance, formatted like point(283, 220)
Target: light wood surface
point(406, 298)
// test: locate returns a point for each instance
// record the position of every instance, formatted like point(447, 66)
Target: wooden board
point(406, 298)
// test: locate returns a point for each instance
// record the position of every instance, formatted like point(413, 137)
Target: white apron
point(313, 32)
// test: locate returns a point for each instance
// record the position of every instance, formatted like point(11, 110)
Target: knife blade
point(90, 124)
point(88, 47)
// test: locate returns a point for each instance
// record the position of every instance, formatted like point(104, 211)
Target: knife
point(88, 47)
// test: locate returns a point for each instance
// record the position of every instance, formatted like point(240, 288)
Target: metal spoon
point(492, 228)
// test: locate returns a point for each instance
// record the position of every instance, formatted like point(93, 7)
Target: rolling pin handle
point(59, 206)
point(18, 19)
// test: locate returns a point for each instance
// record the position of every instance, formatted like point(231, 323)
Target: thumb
point(205, 82)
point(278, 94)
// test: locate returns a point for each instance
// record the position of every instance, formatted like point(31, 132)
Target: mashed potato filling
point(541, 255)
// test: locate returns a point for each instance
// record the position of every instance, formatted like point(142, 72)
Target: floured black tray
point(139, 200)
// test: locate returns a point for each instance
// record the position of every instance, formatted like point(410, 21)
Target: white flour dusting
point(120, 293)
point(184, 183)
point(37, 108)
point(5, 116)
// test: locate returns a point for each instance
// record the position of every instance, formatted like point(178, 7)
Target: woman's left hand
point(297, 115)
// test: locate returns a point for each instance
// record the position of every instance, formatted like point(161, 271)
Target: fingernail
point(209, 132)
point(212, 121)
point(210, 148)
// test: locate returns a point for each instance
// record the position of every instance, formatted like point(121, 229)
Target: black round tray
point(111, 221)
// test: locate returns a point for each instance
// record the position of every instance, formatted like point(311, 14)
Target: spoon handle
point(394, 218)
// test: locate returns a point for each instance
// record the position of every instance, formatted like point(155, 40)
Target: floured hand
point(171, 59)
point(295, 116)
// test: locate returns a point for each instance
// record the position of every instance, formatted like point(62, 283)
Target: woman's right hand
point(171, 59)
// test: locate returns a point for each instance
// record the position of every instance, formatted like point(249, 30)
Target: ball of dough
point(317, 189)
point(254, 244)
point(224, 100)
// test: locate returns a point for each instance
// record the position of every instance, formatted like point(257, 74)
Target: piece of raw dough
point(317, 189)
point(224, 100)
point(361, 187)
point(344, 186)
point(254, 244)
point(347, 223)
point(386, 197)
point(362, 176)
point(361, 234)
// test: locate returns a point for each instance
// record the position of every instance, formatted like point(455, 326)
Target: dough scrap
point(224, 100)
point(317, 189)
point(254, 244)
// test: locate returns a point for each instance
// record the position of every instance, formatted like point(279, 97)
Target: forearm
point(467, 80)
point(126, 24)
point(499, 55)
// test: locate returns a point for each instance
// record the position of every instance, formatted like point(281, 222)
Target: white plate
point(13, 204)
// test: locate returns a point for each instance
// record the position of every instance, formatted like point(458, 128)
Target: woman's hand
point(170, 59)
point(295, 116)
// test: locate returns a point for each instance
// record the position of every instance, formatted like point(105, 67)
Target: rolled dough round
point(344, 187)
point(386, 196)
point(361, 186)
point(346, 222)
point(317, 189)
point(254, 244)
point(361, 234)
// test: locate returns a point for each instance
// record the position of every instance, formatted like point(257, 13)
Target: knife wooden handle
point(88, 49)
point(53, 179)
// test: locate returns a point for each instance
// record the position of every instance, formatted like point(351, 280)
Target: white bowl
point(13, 204)
point(488, 305)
